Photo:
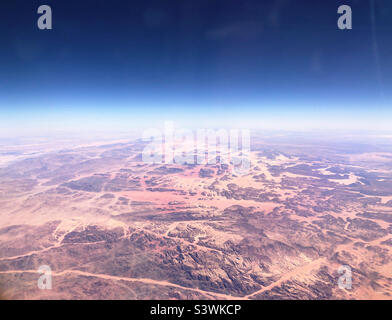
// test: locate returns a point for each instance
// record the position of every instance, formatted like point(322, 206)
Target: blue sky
point(271, 64)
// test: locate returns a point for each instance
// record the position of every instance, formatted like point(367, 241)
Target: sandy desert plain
point(113, 227)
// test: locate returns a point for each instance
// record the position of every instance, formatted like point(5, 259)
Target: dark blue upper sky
point(211, 59)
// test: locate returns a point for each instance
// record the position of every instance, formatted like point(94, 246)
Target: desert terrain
point(113, 227)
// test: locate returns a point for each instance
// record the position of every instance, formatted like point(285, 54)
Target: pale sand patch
point(350, 180)
point(385, 200)
point(325, 171)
